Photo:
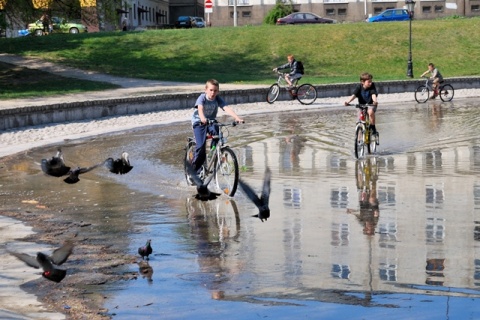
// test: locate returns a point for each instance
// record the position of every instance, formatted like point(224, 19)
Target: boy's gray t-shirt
point(210, 108)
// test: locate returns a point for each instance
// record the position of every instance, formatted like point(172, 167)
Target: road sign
point(208, 6)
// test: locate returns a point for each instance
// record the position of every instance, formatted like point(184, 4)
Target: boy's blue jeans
point(200, 132)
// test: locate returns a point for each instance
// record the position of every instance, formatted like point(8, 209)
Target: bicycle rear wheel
point(226, 171)
point(359, 142)
point(189, 154)
point(421, 94)
point(273, 93)
point(306, 94)
point(446, 93)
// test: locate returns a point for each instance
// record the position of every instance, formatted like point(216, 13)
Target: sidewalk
point(129, 87)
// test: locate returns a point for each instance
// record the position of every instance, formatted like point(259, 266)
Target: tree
point(281, 9)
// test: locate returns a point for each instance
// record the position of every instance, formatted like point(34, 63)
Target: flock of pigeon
point(56, 167)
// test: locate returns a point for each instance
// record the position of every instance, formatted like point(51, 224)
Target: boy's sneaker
point(190, 180)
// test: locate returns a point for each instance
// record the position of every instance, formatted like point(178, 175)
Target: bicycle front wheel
point(226, 171)
point(306, 94)
point(446, 93)
point(273, 93)
point(359, 142)
point(421, 94)
point(372, 143)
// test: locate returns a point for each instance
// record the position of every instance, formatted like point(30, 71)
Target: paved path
point(129, 87)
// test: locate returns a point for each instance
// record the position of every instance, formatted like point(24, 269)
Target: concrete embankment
point(107, 106)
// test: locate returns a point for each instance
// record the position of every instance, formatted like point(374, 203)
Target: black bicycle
point(445, 91)
point(305, 93)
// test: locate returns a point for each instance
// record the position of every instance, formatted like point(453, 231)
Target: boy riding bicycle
point(296, 70)
point(206, 108)
point(436, 78)
point(366, 93)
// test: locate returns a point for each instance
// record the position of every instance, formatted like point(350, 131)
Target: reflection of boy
point(206, 108)
point(366, 93)
point(369, 212)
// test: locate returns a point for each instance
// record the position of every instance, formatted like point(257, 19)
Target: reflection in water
point(420, 248)
point(367, 176)
point(215, 231)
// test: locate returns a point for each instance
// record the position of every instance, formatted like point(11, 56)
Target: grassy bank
point(330, 53)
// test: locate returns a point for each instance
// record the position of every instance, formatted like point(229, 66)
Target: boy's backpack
point(300, 67)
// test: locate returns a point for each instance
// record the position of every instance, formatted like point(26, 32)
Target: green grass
point(331, 53)
point(19, 82)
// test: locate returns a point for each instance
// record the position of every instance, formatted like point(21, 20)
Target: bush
point(281, 9)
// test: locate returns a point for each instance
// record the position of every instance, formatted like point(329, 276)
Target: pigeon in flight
point(49, 263)
point(145, 250)
point(203, 193)
point(74, 173)
point(262, 202)
point(55, 166)
point(120, 165)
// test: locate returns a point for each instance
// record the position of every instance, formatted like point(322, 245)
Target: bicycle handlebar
point(212, 121)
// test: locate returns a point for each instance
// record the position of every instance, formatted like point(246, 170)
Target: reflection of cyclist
point(436, 78)
point(206, 108)
point(215, 233)
point(366, 93)
point(296, 70)
point(368, 200)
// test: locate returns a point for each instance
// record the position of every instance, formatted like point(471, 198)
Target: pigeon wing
point(60, 255)
point(29, 260)
point(250, 193)
point(266, 187)
point(56, 170)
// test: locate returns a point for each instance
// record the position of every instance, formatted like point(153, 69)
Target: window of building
point(246, 14)
point(330, 12)
point(438, 8)
point(239, 2)
point(377, 10)
point(426, 9)
point(342, 12)
point(475, 7)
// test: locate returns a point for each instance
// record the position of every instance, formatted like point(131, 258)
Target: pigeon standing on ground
point(55, 166)
point(262, 202)
point(49, 263)
point(119, 166)
point(203, 193)
point(145, 250)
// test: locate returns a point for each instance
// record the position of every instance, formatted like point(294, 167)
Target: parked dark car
point(303, 18)
point(391, 15)
point(185, 22)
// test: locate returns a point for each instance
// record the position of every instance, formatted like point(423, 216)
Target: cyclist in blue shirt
point(366, 93)
point(206, 108)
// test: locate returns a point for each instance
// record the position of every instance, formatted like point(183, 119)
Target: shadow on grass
point(19, 82)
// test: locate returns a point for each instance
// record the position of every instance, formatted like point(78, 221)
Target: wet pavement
point(396, 234)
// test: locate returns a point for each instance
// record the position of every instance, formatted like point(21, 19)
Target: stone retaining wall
point(86, 110)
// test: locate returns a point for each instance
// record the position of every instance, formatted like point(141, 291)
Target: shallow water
point(346, 239)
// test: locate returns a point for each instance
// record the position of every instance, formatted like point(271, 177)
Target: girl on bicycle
point(206, 108)
point(366, 93)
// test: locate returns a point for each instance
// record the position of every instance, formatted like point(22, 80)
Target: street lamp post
point(410, 7)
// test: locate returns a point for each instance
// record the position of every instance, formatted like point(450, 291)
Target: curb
point(20, 117)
